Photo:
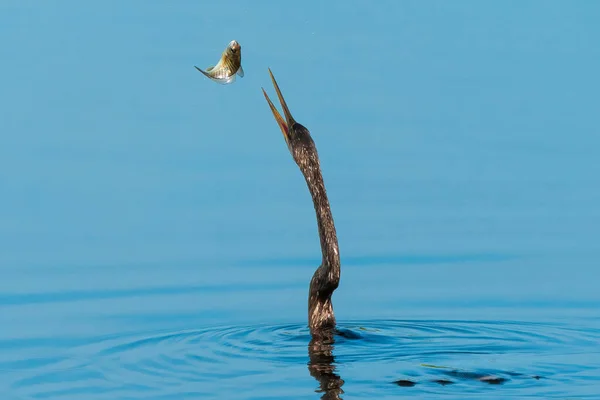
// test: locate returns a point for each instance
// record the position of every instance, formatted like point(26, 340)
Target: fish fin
point(240, 71)
point(222, 81)
point(205, 74)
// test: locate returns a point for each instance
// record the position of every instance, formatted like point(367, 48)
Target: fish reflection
point(321, 365)
point(228, 66)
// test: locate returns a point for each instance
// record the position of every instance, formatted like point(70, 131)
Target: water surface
point(157, 239)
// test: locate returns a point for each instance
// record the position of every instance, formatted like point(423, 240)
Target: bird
point(326, 278)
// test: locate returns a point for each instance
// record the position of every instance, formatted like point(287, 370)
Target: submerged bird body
point(228, 66)
point(327, 276)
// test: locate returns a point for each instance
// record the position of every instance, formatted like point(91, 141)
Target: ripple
point(432, 355)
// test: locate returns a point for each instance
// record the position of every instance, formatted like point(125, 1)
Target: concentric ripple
point(394, 358)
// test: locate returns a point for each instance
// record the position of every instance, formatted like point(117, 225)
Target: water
point(157, 240)
point(271, 360)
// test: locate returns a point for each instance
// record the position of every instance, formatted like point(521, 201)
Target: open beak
point(284, 124)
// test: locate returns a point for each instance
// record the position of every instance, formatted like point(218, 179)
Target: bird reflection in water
point(321, 364)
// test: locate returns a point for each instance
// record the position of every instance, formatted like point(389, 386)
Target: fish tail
point(203, 73)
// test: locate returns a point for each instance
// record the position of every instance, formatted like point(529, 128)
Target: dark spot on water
point(405, 383)
point(493, 380)
point(348, 334)
point(443, 382)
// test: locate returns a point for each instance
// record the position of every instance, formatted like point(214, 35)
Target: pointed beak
point(284, 124)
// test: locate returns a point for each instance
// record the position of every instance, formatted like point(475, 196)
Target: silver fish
point(228, 66)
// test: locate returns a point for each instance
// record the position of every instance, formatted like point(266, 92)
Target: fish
point(228, 67)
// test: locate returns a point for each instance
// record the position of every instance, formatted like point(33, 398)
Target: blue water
point(157, 240)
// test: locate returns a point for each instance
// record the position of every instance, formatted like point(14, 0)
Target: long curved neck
point(327, 233)
point(327, 277)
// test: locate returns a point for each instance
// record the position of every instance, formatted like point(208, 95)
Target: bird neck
point(327, 233)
